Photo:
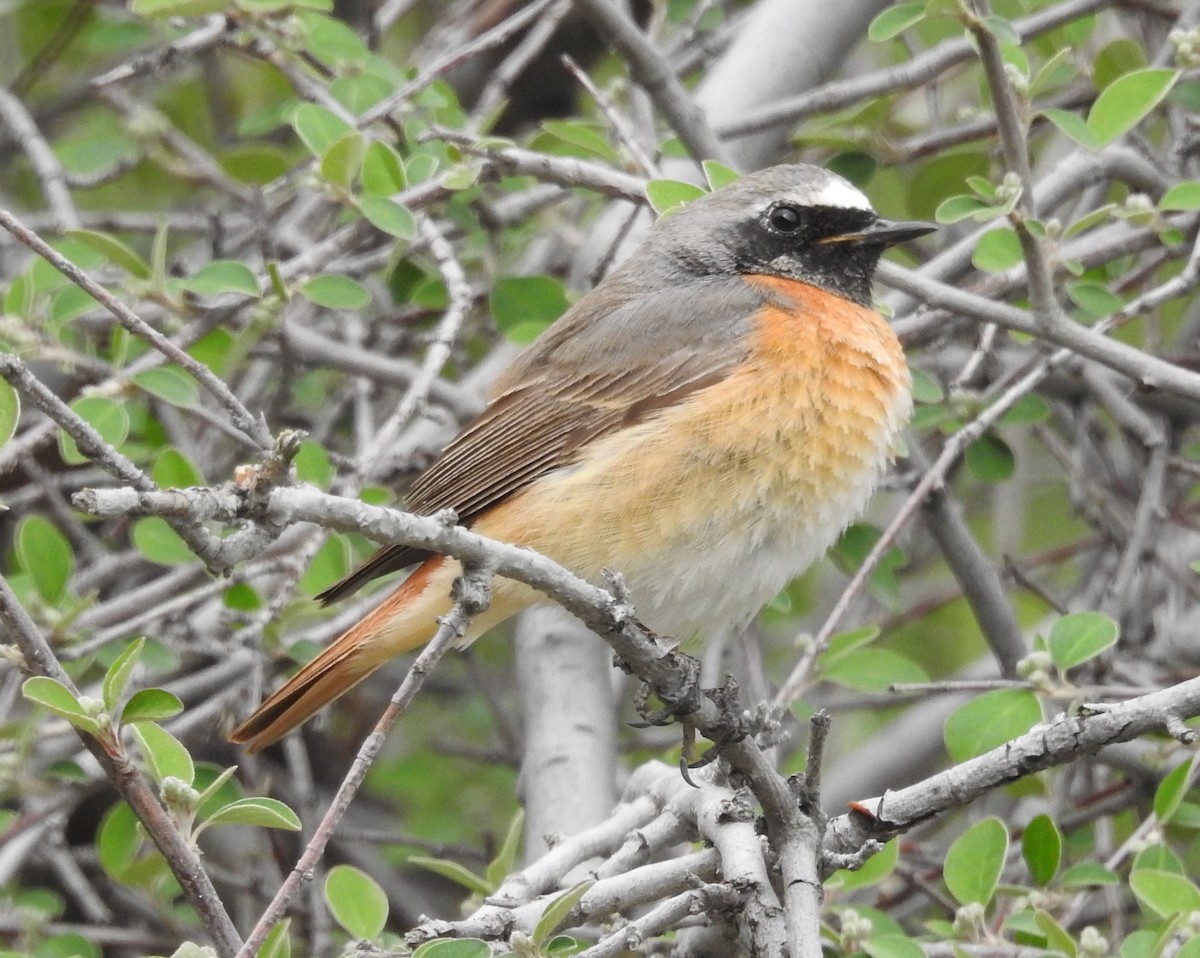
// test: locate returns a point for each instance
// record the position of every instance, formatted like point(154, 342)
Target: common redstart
point(706, 421)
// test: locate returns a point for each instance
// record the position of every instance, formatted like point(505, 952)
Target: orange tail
point(404, 620)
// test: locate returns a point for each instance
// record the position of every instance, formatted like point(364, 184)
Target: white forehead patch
point(841, 194)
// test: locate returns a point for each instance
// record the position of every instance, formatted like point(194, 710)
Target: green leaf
point(1073, 126)
point(1127, 101)
point(1088, 874)
point(356, 900)
point(894, 20)
point(388, 216)
point(873, 670)
point(893, 946)
point(1057, 938)
point(107, 416)
point(164, 754)
point(1041, 845)
point(454, 948)
point(382, 170)
point(159, 543)
point(342, 160)
point(114, 251)
point(1094, 298)
point(455, 872)
point(318, 128)
point(1076, 638)
point(523, 306)
point(53, 695)
point(506, 858)
point(954, 209)
point(587, 138)
point(975, 861)
point(313, 464)
point(718, 174)
point(151, 705)
point(990, 720)
point(1182, 196)
point(997, 250)
point(1172, 789)
point(10, 411)
point(173, 470)
point(176, 8)
point(169, 383)
point(926, 389)
point(874, 870)
point(262, 812)
point(118, 840)
point(1164, 893)
point(990, 458)
point(224, 276)
point(335, 292)
point(116, 679)
point(557, 911)
point(666, 195)
point(845, 643)
point(1029, 408)
point(46, 555)
point(278, 943)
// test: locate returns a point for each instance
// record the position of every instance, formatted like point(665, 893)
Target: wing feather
point(584, 382)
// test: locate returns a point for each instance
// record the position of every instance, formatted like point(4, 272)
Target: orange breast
point(710, 506)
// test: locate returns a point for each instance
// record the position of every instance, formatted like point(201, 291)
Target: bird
point(706, 420)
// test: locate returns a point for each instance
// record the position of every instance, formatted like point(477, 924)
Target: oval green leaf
point(1182, 196)
point(151, 705)
point(116, 679)
point(107, 416)
point(224, 276)
point(1172, 789)
point(261, 812)
point(164, 754)
point(169, 383)
point(990, 458)
point(1126, 101)
point(557, 911)
point(10, 411)
point(358, 903)
point(343, 158)
point(388, 216)
point(118, 840)
point(52, 695)
point(894, 20)
point(1080, 636)
point(114, 251)
point(318, 128)
point(666, 195)
point(1164, 894)
point(159, 543)
point(382, 171)
point(873, 670)
point(335, 292)
point(46, 555)
point(1041, 846)
point(975, 861)
point(990, 720)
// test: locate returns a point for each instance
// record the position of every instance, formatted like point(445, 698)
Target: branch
point(181, 858)
point(1044, 746)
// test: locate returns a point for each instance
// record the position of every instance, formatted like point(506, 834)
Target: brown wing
point(610, 362)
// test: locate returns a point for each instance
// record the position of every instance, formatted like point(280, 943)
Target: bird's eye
point(786, 219)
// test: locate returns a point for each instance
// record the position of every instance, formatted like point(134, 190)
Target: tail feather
point(405, 620)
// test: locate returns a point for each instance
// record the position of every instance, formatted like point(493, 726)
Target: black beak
point(883, 233)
